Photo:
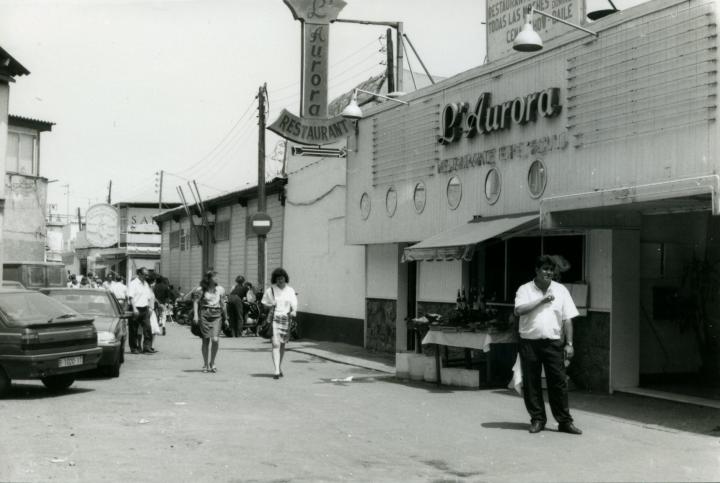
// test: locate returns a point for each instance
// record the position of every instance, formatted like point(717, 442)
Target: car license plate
point(70, 361)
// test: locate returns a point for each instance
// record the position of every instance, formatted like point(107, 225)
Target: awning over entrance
point(459, 243)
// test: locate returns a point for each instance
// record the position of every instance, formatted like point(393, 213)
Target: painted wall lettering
point(458, 118)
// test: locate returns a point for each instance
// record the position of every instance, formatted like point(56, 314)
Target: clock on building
point(101, 225)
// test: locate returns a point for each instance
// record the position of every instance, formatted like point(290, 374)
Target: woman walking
point(282, 298)
point(209, 310)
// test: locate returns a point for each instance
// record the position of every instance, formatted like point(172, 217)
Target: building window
point(194, 238)
point(365, 206)
point(175, 239)
point(493, 185)
point(419, 197)
point(391, 201)
point(537, 179)
point(454, 192)
point(21, 154)
point(222, 230)
point(183, 239)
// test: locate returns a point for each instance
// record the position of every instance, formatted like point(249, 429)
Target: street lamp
point(353, 111)
point(529, 41)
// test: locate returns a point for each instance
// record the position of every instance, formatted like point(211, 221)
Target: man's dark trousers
point(534, 354)
point(236, 315)
point(143, 330)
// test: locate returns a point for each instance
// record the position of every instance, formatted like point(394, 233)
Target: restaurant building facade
point(602, 151)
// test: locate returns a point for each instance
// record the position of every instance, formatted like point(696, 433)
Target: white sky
point(135, 86)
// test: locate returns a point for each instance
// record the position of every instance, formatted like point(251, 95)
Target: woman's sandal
point(205, 369)
point(213, 369)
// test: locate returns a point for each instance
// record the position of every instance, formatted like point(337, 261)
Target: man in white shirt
point(140, 296)
point(546, 310)
point(118, 288)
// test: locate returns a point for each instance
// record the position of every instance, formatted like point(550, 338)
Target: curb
point(350, 361)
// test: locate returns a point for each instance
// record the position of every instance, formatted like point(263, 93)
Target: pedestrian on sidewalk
point(209, 309)
point(281, 297)
point(546, 310)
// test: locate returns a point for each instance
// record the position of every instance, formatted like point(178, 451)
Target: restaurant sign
point(313, 126)
point(459, 119)
point(505, 18)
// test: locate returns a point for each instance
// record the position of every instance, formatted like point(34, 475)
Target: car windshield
point(26, 308)
point(88, 303)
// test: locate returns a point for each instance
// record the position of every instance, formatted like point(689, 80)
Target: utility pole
point(390, 61)
point(160, 187)
point(67, 202)
point(400, 55)
point(109, 193)
point(262, 92)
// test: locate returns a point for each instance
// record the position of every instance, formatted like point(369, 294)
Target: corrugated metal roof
point(10, 66)
point(38, 124)
point(271, 187)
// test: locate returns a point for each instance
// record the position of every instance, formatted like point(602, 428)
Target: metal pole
point(262, 92)
point(418, 58)
point(400, 65)
point(110, 192)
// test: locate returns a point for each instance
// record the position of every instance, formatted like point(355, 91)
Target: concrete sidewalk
point(345, 354)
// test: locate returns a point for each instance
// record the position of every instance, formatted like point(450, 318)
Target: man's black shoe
point(568, 428)
point(149, 351)
point(134, 351)
point(536, 427)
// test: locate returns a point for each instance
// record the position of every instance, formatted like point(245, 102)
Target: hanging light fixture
point(603, 12)
point(528, 40)
point(353, 111)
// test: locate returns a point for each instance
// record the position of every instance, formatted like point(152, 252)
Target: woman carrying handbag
point(208, 312)
point(281, 298)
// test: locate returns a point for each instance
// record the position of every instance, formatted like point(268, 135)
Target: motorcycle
point(183, 309)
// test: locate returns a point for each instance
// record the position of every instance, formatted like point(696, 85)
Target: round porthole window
point(365, 206)
point(391, 201)
point(493, 184)
point(419, 197)
point(454, 192)
point(537, 179)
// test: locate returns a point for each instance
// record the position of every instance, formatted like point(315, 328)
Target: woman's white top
point(284, 299)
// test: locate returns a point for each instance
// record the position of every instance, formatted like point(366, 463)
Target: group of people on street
point(211, 306)
point(545, 309)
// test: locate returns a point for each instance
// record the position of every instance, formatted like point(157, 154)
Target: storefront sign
point(489, 157)
point(315, 16)
point(310, 131)
point(458, 118)
point(505, 18)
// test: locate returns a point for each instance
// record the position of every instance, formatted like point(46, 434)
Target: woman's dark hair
point(279, 272)
point(240, 280)
point(207, 282)
point(545, 261)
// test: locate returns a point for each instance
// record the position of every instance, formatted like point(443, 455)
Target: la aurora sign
point(458, 119)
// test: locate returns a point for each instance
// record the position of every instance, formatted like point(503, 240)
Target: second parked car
point(110, 321)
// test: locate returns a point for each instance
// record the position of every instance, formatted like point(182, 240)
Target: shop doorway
point(680, 305)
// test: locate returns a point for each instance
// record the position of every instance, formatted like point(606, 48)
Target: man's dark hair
point(545, 261)
point(279, 272)
point(240, 280)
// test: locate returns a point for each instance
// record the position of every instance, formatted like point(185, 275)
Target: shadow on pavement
point(21, 392)
point(428, 386)
point(263, 375)
point(645, 411)
point(248, 349)
point(507, 425)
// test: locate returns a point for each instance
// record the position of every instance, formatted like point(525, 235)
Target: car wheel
point(112, 371)
point(5, 383)
point(58, 383)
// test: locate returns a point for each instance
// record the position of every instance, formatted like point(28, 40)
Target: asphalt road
point(164, 420)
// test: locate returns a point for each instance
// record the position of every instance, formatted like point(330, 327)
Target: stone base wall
point(381, 316)
point(590, 368)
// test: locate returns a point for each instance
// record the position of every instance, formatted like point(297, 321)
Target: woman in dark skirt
point(209, 309)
